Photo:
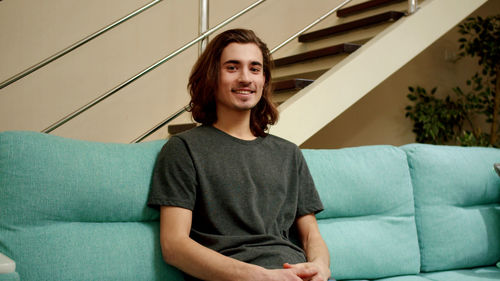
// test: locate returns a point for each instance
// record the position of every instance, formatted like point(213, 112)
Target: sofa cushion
point(405, 278)
point(368, 222)
point(13, 276)
point(77, 210)
point(475, 274)
point(457, 195)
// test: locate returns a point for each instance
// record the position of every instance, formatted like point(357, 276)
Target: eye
point(255, 69)
point(231, 67)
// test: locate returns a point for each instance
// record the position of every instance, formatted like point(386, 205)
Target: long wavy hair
point(203, 82)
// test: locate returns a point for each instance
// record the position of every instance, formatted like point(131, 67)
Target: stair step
point(365, 6)
point(365, 22)
point(328, 51)
point(291, 84)
point(179, 128)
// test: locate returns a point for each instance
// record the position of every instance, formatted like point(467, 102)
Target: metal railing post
point(203, 25)
point(412, 6)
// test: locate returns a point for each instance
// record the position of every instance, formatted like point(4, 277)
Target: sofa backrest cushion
point(368, 222)
point(76, 210)
point(457, 195)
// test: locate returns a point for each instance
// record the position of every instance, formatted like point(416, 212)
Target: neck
point(236, 124)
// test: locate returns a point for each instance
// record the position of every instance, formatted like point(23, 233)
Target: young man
point(232, 196)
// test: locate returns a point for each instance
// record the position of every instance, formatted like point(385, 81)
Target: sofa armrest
point(7, 265)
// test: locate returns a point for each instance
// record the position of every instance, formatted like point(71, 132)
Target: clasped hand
point(301, 272)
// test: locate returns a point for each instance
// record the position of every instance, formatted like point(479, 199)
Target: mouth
point(242, 91)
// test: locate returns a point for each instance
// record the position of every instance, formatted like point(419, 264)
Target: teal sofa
point(75, 210)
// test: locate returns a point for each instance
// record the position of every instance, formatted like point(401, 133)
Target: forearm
point(313, 244)
point(318, 259)
point(206, 264)
point(181, 251)
point(317, 252)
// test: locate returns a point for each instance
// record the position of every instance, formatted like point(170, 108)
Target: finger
point(318, 278)
point(304, 272)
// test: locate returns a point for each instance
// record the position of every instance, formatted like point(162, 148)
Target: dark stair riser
point(179, 128)
point(329, 51)
point(292, 84)
point(365, 22)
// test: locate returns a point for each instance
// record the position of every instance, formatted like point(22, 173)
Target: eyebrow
point(238, 62)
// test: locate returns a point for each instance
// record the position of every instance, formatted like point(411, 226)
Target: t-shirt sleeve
point(174, 177)
point(309, 201)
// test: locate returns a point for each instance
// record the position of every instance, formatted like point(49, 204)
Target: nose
point(244, 76)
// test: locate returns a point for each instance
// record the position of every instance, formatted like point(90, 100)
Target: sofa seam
point(418, 223)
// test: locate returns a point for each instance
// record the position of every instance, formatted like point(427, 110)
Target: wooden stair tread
point(179, 128)
point(328, 51)
point(291, 84)
point(365, 6)
point(368, 21)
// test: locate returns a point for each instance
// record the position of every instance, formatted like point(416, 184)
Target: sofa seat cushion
point(457, 195)
point(405, 278)
point(475, 274)
point(77, 210)
point(13, 276)
point(368, 222)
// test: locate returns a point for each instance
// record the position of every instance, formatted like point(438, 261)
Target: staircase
point(352, 78)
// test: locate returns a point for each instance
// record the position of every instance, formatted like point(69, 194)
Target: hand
point(287, 274)
point(309, 271)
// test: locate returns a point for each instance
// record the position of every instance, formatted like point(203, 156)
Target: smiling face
point(241, 78)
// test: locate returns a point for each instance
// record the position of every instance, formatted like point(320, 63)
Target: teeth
point(243, 92)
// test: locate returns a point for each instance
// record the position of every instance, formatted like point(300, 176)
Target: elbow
point(173, 249)
point(168, 251)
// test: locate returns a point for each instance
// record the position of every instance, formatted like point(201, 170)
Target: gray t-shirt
point(245, 195)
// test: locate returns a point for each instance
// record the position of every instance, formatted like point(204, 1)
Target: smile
point(243, 92)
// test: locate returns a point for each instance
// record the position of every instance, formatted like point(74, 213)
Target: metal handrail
point(161, 124)
point(145, 71)
point(75, 45)
point(186, 108)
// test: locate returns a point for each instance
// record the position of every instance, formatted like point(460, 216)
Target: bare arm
point(181, 251)
point(315, 247)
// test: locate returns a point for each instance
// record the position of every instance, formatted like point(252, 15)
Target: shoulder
point(282, 144)
point(184, 140)
point(281, 141)
point(192, 133)
point(197, 141)
point(189, 137)
point(198, 133)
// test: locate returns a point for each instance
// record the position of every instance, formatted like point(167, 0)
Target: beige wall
point(36, 29)
point(378, 118)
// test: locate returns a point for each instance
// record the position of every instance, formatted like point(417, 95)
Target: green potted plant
point(453, 119)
